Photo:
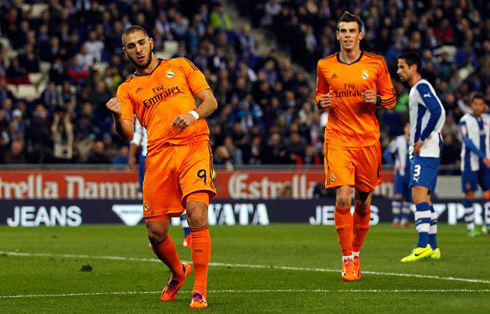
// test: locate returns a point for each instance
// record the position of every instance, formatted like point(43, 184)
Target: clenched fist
point(325, 102)
point(182, 121)
point(370, 97)
point(115, 107)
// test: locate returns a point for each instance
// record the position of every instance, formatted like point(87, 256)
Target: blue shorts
point(471, 179)
point(424, 172)
point(141, 171)
point(402, 186)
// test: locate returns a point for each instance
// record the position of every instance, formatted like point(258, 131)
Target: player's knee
point(343, 201)
point(156, 238)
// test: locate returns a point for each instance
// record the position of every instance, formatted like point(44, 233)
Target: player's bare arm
point(133, 151)
point(124, 127)
point(208, 106)
point(417, 146)
point(326, 102)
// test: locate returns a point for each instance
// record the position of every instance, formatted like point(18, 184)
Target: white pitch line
point(85, 294)
point(217, 264)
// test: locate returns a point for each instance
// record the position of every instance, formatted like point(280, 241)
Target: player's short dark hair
point(349, 17)
point(477, 96)
point(132, 29)
point(412, 58)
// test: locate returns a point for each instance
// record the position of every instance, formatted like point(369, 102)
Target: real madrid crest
point(334, 178)
point(170, 74)
point(365, 74)
point(146, 207)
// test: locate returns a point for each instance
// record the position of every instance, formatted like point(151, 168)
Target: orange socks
point(167, 253)
point(361, 227)
point(343, 224)
point(201, 254)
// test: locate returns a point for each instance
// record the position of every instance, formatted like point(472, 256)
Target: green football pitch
point(281, 268)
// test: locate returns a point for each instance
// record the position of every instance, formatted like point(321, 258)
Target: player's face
point(478, 106)
point(404, 71)
point(349, 36)
point(138, 48)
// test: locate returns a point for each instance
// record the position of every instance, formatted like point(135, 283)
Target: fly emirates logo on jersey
point(161, 94)
point(349, 91)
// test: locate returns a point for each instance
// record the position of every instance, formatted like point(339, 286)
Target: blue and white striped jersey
point(475, 136)
point(427, 116)
point(140, 137)
point(399, 147)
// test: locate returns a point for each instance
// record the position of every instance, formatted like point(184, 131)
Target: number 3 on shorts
point(202, 174)
point(416, 172)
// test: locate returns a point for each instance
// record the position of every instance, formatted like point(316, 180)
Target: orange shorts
point(358, 167)
point(172, 174)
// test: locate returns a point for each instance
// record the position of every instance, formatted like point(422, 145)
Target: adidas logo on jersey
point(138, 90)
point(334, 76)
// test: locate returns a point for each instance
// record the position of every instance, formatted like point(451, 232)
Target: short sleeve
point(463, 129)
point(195, 78)
point(127, 107)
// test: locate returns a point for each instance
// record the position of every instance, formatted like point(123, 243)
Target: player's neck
point(351, 56)
point(153, 64)
point(417, 77)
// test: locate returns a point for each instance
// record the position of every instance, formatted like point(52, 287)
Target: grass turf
point(240, 289)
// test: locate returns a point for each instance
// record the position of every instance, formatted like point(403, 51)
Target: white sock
point(344, 258)
point(355, 254)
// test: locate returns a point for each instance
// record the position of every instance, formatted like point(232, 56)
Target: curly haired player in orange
point(178, 174)
point(351, 85)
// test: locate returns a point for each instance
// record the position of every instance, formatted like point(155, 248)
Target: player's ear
point(337, 34)
point(124, 50)
point(151, 44)
point(361, 35)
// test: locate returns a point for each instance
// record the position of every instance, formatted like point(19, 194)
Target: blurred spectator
point(219, 18)
point(97, 155)
point(63, 138)
point(16, 153)
point(222, 157)
point(122, 156)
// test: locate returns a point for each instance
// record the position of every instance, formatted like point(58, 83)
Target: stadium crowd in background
point(266, 112)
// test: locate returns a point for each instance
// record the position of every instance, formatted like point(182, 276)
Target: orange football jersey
point(157, 98)
point(351, 121)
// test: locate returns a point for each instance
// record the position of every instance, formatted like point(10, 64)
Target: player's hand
point(183, 121)
point(326, 102)
point(132, 162)
point(417, 147)
point(369, 97)
point(115, 107)
point(398, 168)
point(486, 161)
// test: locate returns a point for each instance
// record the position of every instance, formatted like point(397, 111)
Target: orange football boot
point(198, 300)
point(348, 270)
point(170, 291)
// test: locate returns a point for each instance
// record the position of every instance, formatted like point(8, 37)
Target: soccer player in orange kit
point(178, 174)
point(351, 85)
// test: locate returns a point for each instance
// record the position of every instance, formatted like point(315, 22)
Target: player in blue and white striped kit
point(400, 205)
point(475, 163)
point(427, 116)
point(140, 141)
